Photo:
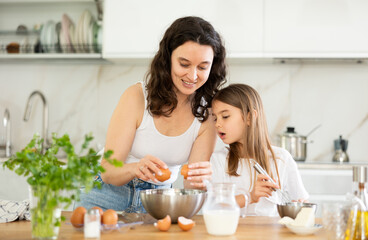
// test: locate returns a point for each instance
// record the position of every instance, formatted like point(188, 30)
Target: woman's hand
point(262, 188)
point(198, 172)
point(147, 167)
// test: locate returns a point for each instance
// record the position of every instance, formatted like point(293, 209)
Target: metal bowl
point(292, 209)
point(174, 202)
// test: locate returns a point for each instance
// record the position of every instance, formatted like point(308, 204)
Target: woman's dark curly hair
point(159, 84)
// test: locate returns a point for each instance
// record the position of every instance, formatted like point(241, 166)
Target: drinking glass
point(335, 216)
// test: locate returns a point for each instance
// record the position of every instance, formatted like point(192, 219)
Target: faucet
point(45, 121)
point(6, 124)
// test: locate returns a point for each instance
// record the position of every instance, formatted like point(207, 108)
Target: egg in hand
point(184, 171)
point(166, 173)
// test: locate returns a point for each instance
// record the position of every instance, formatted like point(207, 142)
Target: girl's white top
point(290, 178)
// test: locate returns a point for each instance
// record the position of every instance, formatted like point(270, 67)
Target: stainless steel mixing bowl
point(174, 202)
point(292, 209)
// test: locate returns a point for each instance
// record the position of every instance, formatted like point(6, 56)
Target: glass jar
point(92, 224)
point(220, 211)
point(357, 228)
point(45, 216)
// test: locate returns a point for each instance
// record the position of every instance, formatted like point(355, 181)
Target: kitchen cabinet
point(33, 14)
point(316, 29)
point(326, 182)
point(133, 29)
point(251, 29)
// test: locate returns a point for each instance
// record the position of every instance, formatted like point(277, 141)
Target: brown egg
point(77, 218)
point(184, 171)
point(185, 224)
point(99, 210)
point(163, 224)
point(166, 173)
point(110, 217)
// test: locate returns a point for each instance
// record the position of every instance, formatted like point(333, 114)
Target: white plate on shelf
point(65, 27)
point(81, 32)
point(51, 38)
point(304, 230)
point(45, 36)
point(95, 28)
point(90, 38)
point(99, 39)
point(42, 36)
point(62, 42)
point(72, 36)
point(79, 35)
point(86, 29)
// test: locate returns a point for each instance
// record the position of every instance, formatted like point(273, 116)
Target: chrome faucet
point(45, 121)
point(6, 124)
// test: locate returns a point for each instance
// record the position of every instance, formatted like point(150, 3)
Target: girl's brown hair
point(255, 137)
point(161, 98)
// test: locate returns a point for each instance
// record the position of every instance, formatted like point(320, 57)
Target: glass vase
point(45, 213)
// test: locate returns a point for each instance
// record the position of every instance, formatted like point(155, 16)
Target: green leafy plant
point(50, 177)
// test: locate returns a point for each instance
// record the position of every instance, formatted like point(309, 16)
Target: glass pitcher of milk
point(220, 211)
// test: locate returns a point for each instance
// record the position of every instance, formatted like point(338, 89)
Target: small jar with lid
point(92, 224)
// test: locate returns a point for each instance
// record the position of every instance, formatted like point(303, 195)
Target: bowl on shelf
point(291, 209)
point(174, 202)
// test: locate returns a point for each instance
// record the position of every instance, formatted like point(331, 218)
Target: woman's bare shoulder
point(132, 101)
point(134, 92)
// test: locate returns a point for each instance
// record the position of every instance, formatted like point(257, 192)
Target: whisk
point(285, 198)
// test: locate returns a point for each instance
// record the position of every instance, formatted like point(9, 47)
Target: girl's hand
point(198, 172)
point(147, 166)
point(262, 188)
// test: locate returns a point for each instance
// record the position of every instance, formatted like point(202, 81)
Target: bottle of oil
point(357, 227)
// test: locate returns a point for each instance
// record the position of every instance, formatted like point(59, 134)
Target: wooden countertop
point(249, 228)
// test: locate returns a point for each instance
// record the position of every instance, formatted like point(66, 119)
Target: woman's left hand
point(198, 172)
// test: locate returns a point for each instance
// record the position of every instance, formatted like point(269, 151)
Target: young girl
point(241, 123)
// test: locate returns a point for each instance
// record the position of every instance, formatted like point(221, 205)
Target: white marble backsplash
point(82, 98)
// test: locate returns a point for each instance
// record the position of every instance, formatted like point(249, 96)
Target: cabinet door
point(133, 29)
point(316, 28)
point(325, 185)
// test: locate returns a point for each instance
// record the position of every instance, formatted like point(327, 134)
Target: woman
point(162, 123)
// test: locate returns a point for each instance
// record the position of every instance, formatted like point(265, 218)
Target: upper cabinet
point(315, 28)
point(133, 29)
point(251, 29)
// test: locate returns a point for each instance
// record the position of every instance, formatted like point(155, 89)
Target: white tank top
point(174, 151)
